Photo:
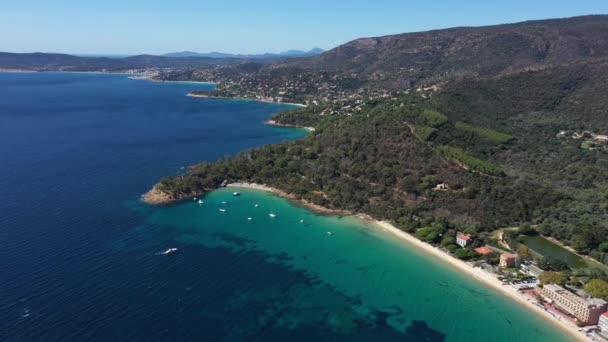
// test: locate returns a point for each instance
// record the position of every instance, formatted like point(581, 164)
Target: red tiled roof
point(484, 250)
point(463, 236)
point(605, 314)
point(508, 256)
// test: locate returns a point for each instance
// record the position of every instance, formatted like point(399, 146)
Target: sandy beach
point(484, 277)
point(316, 208)
point(274, 123)
point(474, 272)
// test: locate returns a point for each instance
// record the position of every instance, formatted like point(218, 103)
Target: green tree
point(524, 251)
point(597, 288)
point(464, 254)
point(551, 277)
point(446, 241)
point(526, 229)
point(554, 264)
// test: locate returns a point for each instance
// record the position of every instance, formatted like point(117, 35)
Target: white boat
point(330, 233)
point(272, 215)
point(200, 202)
point(257, 205)
point(250, 218)
point(224, 202)
point(223, 210)
point(301, 221)
point(169, 251)
point(236, 193)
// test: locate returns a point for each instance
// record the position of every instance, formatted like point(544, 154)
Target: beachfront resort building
point(463, 239)
point(586, 310)
point(507, 260)
point(603, 324)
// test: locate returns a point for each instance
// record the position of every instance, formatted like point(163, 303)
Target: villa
point(463, 239)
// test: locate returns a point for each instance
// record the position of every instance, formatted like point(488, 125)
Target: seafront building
point(603, 324)
point(531, 269)
point(463, 239)
point(586, 310)
point(507, 260)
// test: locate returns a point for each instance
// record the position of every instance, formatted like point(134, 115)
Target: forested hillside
point(524, 141)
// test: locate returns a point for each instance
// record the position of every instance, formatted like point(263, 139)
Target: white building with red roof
point(463, 239)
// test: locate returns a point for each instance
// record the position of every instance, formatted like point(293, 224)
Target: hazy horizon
point(155, 27)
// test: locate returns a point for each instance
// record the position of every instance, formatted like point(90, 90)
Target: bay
point(80, 253)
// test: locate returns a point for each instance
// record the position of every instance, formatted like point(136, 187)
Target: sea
point(81, 256)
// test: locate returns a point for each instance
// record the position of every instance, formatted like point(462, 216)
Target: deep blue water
point(79, 252)
point(76, 151)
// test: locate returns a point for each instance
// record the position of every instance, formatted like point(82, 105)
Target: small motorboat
point(223, 210)
point(301, 221)
point(195, 198)
point(257, 205)
point(200, 202)
point(330, 233)
point(249, 218)
point(236, 194)
point(25, 313)
point(169, 251)
point(224, 202)
point(272, 215)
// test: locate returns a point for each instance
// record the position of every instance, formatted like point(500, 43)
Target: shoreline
point(280, 193)
point(475, 273)
point(481, 276)
point(276, 124)
point(17, 71)
point(70, 72)
point(151, 78)
point(203, 96)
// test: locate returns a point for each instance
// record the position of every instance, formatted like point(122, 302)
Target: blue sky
point(155, 26)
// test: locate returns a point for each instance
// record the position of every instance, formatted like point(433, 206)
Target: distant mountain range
point(62, 62)
point(288, 53)
point(56, 61)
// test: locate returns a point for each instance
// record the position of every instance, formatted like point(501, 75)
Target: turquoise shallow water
point(79, 253)
point(356, 278)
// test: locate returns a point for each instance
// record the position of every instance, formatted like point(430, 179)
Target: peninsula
point(468, 139)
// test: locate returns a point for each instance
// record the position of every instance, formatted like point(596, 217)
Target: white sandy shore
point(274, 123)
point(281, 193)
point(477, 273)
point(486, 278)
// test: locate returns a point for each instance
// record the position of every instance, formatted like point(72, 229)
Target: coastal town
point(552, 292)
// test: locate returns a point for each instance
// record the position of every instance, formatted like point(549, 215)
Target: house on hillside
point(463, 239)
